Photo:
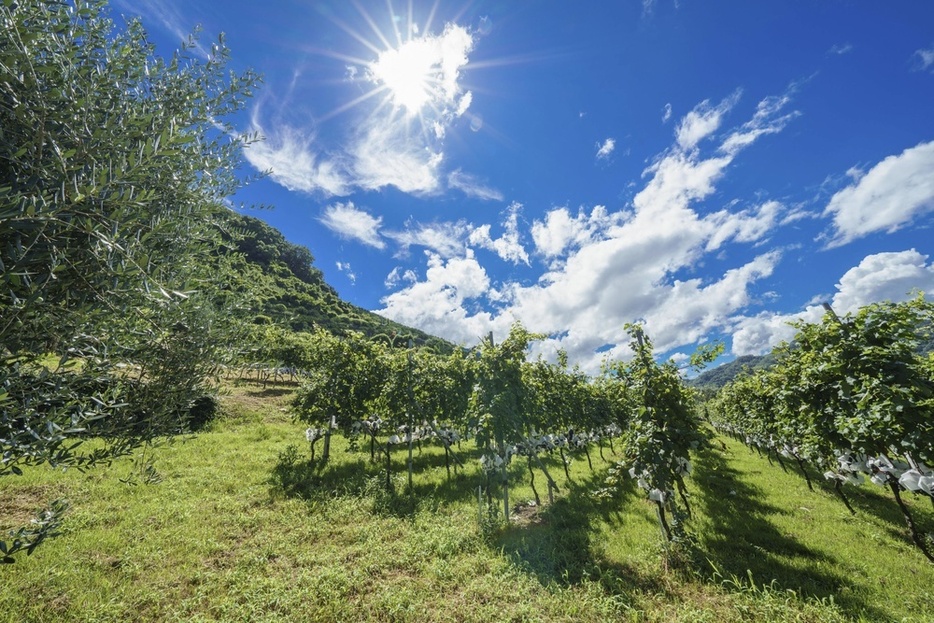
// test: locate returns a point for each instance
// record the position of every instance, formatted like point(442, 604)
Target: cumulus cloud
point(508, 246)
point(348, 221)
point(883, 277)
point(609, 268)
point(560, 231)
point(892, 194)
point(472, 187)
point(878, 277)
point(744, 226)
point(605, 149)
point(437, 304)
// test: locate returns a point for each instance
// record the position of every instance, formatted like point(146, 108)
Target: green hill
point(716, 378)
point(291, 292)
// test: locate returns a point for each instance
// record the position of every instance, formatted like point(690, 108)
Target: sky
point(711, 169)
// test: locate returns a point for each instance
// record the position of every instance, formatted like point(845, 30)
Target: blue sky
point(713, 169)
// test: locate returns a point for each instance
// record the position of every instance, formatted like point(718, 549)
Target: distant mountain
point(721, 375)
point(291, 291)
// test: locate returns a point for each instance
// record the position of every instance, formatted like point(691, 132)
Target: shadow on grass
point(269, 392)
point(561, 544)
point(868, 500)
point(741, 541)
point(356, 474)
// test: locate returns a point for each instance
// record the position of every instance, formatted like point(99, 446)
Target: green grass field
point(243, 528)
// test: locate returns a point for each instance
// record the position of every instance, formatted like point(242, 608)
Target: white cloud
point(472, 187)
point(445, 239)
point(767, 120)
point(878, 277)
point(438, 304)
point(681, 176)
point(666, 114)
point(348, 221)
point(925, 58)
point(397, 276)
point(605, 149)
point(386, 154)
point(424, 71)
point(345, 268)
point(607, 269)
point(744, 226)
point(397, 140)
point(560, 231)
point(892, 194)
point(288, 154)
point(508, 246)
point(841, 49)
point(883, 277)
point(703, 121)
point(757, 335)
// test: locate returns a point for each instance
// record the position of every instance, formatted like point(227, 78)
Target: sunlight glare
point(409, 73)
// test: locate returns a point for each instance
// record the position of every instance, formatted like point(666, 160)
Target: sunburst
point(416, 72)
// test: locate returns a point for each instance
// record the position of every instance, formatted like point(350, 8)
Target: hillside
point(290, 291)
point(721, 375)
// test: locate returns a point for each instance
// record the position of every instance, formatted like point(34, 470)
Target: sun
point(413, 69)
point(409, 72)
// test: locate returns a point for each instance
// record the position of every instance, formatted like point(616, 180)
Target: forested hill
point(291, 291)
point(721, 375)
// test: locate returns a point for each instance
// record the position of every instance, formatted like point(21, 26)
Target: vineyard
point(179, 444)
point(276, 511)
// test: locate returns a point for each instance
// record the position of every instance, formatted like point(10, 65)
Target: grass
point(242, 528)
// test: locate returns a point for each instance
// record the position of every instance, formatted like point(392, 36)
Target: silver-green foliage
point(114, 164)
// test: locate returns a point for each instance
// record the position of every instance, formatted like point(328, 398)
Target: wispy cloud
point(840, 49)
point(472, 187)
point(605, 149)
point(703, 121)
point(348, 221)
point(289, 155)
point(889, 196)
point(397, 129)
point(924, 59)
point(397, 276)
point(445, 239)
point(167, 15)
point(666, 113)
point(345, 268)
point(384, 154)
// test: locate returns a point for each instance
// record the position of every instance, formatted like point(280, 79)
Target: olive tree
point(114, 168)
